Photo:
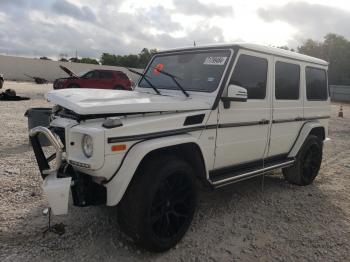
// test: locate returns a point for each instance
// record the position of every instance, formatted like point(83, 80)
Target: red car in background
point(97, 78)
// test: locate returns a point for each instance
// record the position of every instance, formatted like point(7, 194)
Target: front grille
point(60, 131)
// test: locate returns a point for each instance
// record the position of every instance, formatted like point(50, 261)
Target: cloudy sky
point(50, 27)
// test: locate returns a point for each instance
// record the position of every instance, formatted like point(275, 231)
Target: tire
point(1, 83)
point(73, 86)
point(119, 87)
point(158, 207)
point(307, 164)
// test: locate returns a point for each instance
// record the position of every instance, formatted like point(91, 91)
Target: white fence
point(340, 93)
point(15, 68)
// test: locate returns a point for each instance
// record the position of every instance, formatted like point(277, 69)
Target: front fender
point(119, 183)
point(304, 132)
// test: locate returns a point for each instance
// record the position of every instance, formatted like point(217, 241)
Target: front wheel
point(307, 163)
point(159, 205)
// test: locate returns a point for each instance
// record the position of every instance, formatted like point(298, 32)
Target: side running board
point(229, 178)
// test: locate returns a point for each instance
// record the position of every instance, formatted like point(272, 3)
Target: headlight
point(87, 144)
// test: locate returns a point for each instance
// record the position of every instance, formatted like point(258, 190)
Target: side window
point(287, 81)
point(106, 75)
point(251, 73)
point(90, 74)
point(122, 76)
point(316, 84)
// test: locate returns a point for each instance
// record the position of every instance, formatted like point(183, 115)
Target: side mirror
point(234, 93)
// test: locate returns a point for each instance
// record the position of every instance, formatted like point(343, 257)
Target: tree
point(74, 60)
point(336, 50)
point(87, 60)
point(136, 61)
point(145, 56)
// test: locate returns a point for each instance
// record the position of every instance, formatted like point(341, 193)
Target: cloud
point(63, 7)
point(41, 28)
point(159, 18)
point(194, 7)
point(311, 20)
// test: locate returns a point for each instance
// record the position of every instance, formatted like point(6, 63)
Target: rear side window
point(251, 73)
point(106, 75)
point(316, 84)
point(122, 76)
point(287, 81)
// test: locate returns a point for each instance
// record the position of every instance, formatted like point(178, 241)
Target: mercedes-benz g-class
point(219, 114)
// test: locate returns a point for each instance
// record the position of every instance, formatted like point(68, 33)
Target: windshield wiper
point(145, 77)
point(173, 77)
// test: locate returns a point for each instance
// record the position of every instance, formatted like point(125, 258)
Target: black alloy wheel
point(307, 163)
point(172, 206)
point(159, 204)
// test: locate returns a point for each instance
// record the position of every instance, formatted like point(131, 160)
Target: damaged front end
point(60, 177)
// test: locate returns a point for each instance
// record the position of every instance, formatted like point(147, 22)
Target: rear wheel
point(159, 205)
point(307, 164)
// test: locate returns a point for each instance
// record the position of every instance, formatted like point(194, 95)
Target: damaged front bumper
point(59, 179)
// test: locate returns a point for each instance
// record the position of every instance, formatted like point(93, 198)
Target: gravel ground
point(238, 223)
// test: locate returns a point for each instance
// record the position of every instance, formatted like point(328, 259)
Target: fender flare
point(119, 184)
point(303, 133)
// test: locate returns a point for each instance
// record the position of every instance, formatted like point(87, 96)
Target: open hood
point(102, 101)
point(68, 71)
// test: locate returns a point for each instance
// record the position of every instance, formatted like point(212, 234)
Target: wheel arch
point(190, 152)
point(308, 128)
point(181, 145)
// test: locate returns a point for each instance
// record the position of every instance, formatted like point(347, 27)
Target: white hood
point(104, 101)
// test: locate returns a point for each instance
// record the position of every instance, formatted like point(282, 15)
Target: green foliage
point(87, 60)
point(134, 61)
point(336, 50)
point(84, 60)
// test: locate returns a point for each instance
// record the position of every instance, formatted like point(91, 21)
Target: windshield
point(82, 74)
point(195, 71)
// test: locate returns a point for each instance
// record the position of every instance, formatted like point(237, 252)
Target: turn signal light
point(116, 148)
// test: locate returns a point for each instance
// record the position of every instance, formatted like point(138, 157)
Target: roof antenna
point(194, 43)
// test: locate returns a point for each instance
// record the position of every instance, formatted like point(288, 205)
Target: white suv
point(219, 114)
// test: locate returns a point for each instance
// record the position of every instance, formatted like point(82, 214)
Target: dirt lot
point(237, 223)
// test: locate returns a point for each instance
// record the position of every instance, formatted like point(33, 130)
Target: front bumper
point(43, 162)
point(59, 179)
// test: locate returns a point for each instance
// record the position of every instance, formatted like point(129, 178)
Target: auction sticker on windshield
point(215, 60)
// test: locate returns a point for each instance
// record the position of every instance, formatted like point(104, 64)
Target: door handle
point(263, 122)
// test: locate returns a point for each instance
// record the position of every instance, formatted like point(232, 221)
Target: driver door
point(243, 128)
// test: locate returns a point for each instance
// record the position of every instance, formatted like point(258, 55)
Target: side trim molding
point(203, 127)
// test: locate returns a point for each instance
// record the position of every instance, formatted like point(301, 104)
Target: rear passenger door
point(287, 106)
